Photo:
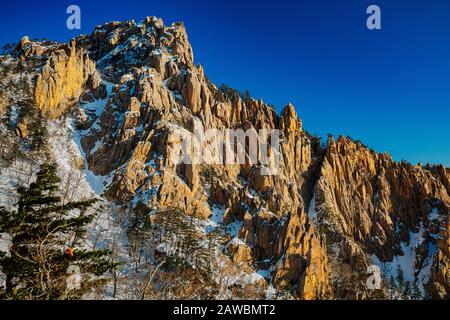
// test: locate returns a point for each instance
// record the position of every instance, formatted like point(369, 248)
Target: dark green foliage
point(415, 292)
point(168, 245)
point(232, 93)
point(46, 238)
point(7, 49)
point(391, 282)
point(172, 227)
point(37, 135)
point(407, 289)
point(228, 91)
point(24, 111)
point(245, 95)
point(400, 278)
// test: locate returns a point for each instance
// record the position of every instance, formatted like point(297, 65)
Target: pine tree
point(37, 135)
point(400, 278)
point(391, 287)
point(46, 239)
point(415, 292)
point(407, 290)
point(391, 283)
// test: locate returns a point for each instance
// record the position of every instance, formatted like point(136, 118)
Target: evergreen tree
point(246, 96)
point(415, 292)
point(37, 135)
point(46, 241)
point(407, 290)
point(400, 278)
point(391, 287)
point(7, 49)
point(391, 283)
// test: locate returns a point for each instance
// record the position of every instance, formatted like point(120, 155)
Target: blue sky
point(389, 88)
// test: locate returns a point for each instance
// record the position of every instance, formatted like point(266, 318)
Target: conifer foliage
point(47, 244)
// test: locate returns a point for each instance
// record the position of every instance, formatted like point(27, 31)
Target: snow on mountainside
point(113, 105)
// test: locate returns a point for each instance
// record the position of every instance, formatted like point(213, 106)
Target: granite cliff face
point(367, 203)
point(62, 77)
point(308, 232)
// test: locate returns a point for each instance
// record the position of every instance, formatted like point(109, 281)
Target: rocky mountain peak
point(119, 46)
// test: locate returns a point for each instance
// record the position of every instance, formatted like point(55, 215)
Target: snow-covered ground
point(312, 215)
point(106, 231)
point(408, 261)
point(19, 173)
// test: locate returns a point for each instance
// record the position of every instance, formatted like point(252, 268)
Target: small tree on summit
point(46, 241)
point(245, 95)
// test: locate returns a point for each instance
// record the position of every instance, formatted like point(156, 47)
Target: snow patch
point(312, 214)
point(408, 261)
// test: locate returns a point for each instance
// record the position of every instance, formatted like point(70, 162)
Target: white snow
point(5, 243)
point(271, 292)
point(408, 261)
point(105, 231)
point(254, 277)
point(234, 227)
point(19, 173)
point(97, 183)
point(96, 107)
point(237, 241)
point(216, 218)
point(434, 214)
point(312, 215)
point(264, 273)
point(65, 149)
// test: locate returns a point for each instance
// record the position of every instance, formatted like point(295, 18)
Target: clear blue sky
point(388, 88)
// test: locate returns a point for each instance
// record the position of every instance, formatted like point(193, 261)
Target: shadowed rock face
point(133, 86)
